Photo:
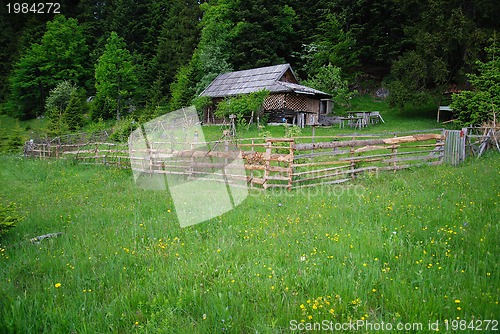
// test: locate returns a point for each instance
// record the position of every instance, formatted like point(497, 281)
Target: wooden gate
point(454, 146)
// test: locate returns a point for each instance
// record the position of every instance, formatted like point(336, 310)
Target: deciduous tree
point(61, 55)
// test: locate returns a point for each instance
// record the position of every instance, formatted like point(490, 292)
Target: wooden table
point(367, 117)
point(358, 119)
point(375, 117)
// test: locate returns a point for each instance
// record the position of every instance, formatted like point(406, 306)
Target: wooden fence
point(480, 139)
point(291, 164)
point(84, 148)
point(287, 163)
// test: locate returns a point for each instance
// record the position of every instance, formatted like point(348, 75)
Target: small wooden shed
point(288, 101)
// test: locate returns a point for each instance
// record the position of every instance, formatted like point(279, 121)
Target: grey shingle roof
point(253, 80)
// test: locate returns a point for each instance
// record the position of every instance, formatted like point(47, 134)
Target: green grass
point(34, 127)
point(413, 246)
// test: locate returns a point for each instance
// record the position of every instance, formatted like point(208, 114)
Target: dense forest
point(150, 56)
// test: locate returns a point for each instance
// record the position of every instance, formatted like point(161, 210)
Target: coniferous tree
point(481, 104)
point(116, 79)
point(178, 37)
point(441, 44)
point(17, 33)
point(76, 109)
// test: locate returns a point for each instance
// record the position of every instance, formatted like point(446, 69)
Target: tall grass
point(414, 246)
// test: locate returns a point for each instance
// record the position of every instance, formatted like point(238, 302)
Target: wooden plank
point(321, 183)
point(429, 145)
point(206, 154)
point(351, 172)
point(374, 148)
point(276, 185)
point(401, 167)
point(267, 155)
point(255, 167)
point(209, 176)
point(428, 136)
point(93, 151)
point(323, 163)
point(336, 144)
point(251, 145)
point(320, 154)
point(277, 178)
point(326, 176)
point(412, 158)
point(413, 138)
point(279, 157)
point(320, 170)
point(257, 180)
point(278, 140)
point(375, 156)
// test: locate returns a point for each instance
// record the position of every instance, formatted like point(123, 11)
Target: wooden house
point(287, 102)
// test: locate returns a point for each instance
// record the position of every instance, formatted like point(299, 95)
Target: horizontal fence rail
point(288, 163)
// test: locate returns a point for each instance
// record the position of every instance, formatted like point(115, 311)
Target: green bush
point(9, 217)
point(56, 104)
point(243, 106)
point(292, 131)
point(123, 128)
point(472, 107)
point(13, 141)
point(475, 107)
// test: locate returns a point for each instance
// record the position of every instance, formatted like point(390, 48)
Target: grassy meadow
point(416, 246)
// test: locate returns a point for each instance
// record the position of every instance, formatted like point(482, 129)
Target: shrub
point(9, 217)
point(243, 106)
point(475, 107)
point(56, 104)
point(292, 131)
point(14, 141)
point(123, 128)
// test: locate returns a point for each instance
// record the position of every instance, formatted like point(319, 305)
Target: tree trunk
point(118, 100)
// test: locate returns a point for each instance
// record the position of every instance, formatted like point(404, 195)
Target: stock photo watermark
point(455, 325)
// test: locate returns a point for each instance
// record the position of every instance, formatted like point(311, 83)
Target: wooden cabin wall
point(274, 102)
point(313, 105)
point(288, 77)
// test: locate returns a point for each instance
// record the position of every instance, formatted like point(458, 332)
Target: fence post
point(290, 166)
point(353, 163)
point(395, 157)
point(463, 136)
point(267, 159)
point(251, 171)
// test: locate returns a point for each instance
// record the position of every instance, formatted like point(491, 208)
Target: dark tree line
point(175, 48)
